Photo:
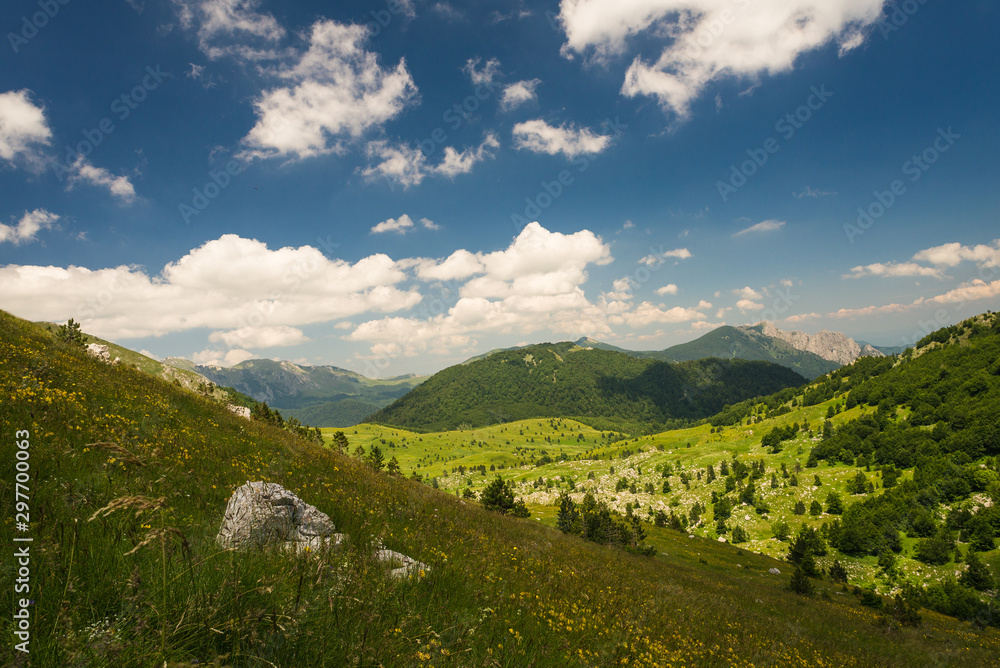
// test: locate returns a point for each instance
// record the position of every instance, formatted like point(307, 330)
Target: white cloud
point(540, 137)
point(763, 226)
point(218, 358)
point(745, 305)
point(399, 225)
point(407, 165)
point(484, 75)
point(669, 289)
point(518, 93)
point(260, 337)
point(809, 191)
point(461, 162)
point(231, 28)
point(893, 270)
point(710, 39)
point(81, 171)
point(953, 254)
point(747, 293)
point(458, 265)
point(228, 283)
point(647, 313)
point(532, 285)
point(23, 130)
point(656, 259)
point(429, 224)
point(338, 90)
point(26, 229)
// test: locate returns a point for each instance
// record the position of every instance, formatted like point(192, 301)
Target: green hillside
point(733, 343)
point(908, 445)
point(130, 589)
point(604, 388)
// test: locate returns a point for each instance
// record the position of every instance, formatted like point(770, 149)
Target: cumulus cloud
point(226, 284)
point(224, 359)
point(534, 284)
point(763, 226)
point(23, 130)
point(953, 254)
point(399, 225)
point(540, 137)
point(518, 93)
point(747, 293)
point(656, 259)
point(894, 270)
point(647, 313)
point(231, 28)
point(336, 91)
point(120, 187)
point(669, 289)
point(482, 75)
point(260, 337)
point(26, 229)
point(407, 165)
point(709, 40)
point(745, 305)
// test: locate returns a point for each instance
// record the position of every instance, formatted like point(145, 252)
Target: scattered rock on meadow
point(264, 513)
point(774, 571)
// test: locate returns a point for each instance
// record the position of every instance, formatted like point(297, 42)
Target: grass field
point(152, 588)
point(596, 465)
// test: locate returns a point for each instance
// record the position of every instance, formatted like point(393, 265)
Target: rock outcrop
point(264, 514)
point(242, 411)
point(833, 346)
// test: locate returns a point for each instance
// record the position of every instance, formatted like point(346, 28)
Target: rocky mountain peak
point(833, 346)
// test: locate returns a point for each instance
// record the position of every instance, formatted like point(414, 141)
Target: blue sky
point(392, 187)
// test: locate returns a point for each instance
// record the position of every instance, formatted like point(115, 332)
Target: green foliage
point(977, 575)
point(801, 584)
point(738, 535)
point(936, 549)
point(837, 572)
point(599, 387)
point(71, 333)
point(498, 496)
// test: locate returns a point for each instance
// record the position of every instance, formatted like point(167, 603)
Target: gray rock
point(100, 351)
point(402, 566)
point(263, 513)
point(774, 571)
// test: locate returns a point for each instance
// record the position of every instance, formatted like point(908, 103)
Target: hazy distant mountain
point(320, 396)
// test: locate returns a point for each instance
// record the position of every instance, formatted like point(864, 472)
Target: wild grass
point(500, 591)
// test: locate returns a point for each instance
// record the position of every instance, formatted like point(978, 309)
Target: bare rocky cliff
point(833, 346)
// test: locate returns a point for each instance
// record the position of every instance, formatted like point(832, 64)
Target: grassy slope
point(501, 592)
point(693, 449)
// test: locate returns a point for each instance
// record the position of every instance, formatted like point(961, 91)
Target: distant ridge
point(604, 388)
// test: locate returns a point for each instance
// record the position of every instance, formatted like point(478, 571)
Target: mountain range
point(325, 396)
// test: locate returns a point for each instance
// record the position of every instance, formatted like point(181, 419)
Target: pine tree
point(375, 458)
point(977, 575)
point(801, 584)
point(393, 466)
point(71, 333)
point(568, 518)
